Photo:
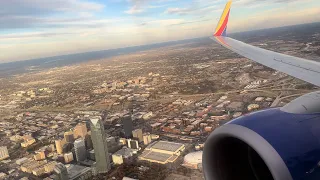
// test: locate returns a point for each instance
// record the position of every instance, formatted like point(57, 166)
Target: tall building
point(127, 126)
point(147, 139)
point(133, 144)
point(59, 145)
point(68, 157)
point(4, 154)
point(100, 147)
point(80, 130)
point(80, 150)
point(68, 137)
point(137, 134)
point(61, 172)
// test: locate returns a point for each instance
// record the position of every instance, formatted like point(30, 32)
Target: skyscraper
point(127, 126)
point(80, 149)
point(100, 147)
point(68, 137)
point(59, 146)
point(146, 139)
point(133, 144)
point(68, 157)
point(61, 172)
point(80, 130)
point(137, 134)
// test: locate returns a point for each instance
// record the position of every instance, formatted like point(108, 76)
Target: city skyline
point(35, 29)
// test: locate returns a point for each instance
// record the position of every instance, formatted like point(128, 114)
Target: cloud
point(33, 7)
point(40, 13)
point(179, 11)
point(249, 3)
point(276, 17)
point(192, 10)
point(141, 6)
point(135, 10)
point(83, 20)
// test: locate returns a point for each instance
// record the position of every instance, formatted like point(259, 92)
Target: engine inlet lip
point(265, 150)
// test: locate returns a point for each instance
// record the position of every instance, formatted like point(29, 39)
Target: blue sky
point(40, 28)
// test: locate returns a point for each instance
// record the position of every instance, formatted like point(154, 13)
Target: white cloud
point(134, 10)
point(32, 13)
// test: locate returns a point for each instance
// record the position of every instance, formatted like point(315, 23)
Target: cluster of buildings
point(85, 150)
point(122, 91)
point(78, 146)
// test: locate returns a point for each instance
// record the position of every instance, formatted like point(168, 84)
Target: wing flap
point(300, 68)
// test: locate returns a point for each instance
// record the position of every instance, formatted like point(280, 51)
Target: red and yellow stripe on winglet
point(221, 29)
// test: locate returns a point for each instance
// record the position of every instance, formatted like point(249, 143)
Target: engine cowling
point(279, 143)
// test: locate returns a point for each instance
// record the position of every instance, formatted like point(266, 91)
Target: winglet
point(221, 29)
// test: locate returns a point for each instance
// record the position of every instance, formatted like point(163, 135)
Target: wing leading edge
point(300, 68)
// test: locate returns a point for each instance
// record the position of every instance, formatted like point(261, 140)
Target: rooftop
point(75, 171)
point(165, 145)
point(125, 152)
point(155, 156)
point(193, 158)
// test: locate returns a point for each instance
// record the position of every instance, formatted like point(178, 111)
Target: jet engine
point(273, 144)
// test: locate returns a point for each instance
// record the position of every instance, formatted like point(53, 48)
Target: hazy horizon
point(36, 29)
point(144, 45)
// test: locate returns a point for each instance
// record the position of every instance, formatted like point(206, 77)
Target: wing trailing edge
point(300, 68)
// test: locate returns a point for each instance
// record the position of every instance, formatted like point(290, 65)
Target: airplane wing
point(300, 68)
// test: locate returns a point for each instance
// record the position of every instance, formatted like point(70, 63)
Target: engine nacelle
point(279, 143)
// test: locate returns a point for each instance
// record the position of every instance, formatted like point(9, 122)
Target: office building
point(80, 150)
point(147, 139)
point(68, 157)
point(127, 126)
point(123, 141)
point(137, 134)
point(121, 155)
point(22, 161)
point(38, 171)
point(59, 145)
point(133, 144)
point(68, 137)
point(4, 154)
point(28, 140)
point(50, 166)
point(100, 147)
point(41, 155)
point(113, 145)
point(80, 131)
point(61, 172)
point(67, 147)
point(51, 148)
point(29, 166)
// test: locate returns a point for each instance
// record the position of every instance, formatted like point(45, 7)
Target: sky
point(41, 28)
